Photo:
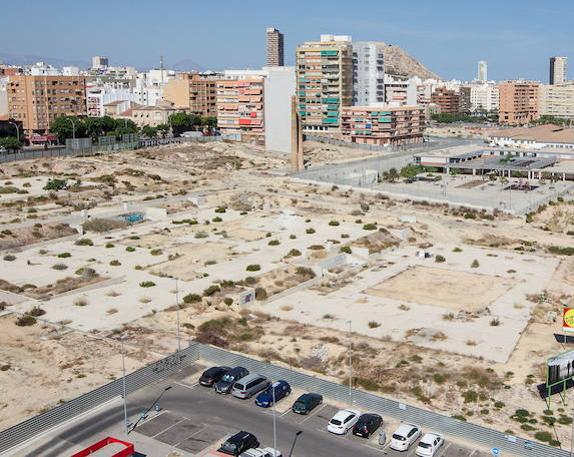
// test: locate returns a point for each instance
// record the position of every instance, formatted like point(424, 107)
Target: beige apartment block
point(557, 100)
point(275, 48)
point(324, 82)
point(240, 108)
point(38, 100)
point(383, 125)
point(196, 92)
point(519, 102)
point(151, 115)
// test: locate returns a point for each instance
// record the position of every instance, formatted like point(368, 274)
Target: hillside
point(399, 63)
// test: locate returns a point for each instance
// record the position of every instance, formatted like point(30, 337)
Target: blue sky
point(516, 37)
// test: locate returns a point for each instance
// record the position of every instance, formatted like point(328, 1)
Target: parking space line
point(313, 414)
point(171, 426)
point(194, 433)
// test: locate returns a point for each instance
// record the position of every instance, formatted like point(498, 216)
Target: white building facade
point(484, 97)
point(368, 74)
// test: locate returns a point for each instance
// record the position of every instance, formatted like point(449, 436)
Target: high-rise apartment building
point(275, 48)
point(464, 103)
point(100, 62)
point(557, 100)
point(482, 70)
point(558, 70)
point(38, 100)
point(368, 74)
point(484, 98)
point(196, 92)
point(324, 82)
point(447, 100)
point(383, 125)
point(518, 103)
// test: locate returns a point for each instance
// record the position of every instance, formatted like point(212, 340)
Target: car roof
point(342, 414)
point(279, 383)
point(368, 416)
point(240, 436)
point(251, 377)
point(430, 437)
point(404, 429)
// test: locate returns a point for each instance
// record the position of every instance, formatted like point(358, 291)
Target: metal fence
point(466, 431)
point(161, 369)
point(80, 149)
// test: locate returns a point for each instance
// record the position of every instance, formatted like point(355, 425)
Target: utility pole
point(274, 423)
point(17, 130)
point(350, 363)
point(299, 432)
point(73, 128)
point(177, 313)
point(124, 387)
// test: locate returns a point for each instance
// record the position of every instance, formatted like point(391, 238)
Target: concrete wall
point(279, 88)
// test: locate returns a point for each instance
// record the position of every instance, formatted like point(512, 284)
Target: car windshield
point(299, 405)
point(228, 378)
point(424, 445)
point(399, 437)
point(335, 422)
point(229, 447)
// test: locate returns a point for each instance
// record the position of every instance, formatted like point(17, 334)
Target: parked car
point(404, 436)
point(266, 452)
point(225, 384)
point(429, 445)
point(250, 385)
point(343, 421)
point(367, 424)
point(306, 403)
point(238, 443)
point(212, 375)
point(279, 390)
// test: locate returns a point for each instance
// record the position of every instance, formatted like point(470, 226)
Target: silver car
point(250, 385)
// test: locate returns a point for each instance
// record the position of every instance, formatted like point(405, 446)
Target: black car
point(212, 375)
point(239, 443)
point(306, 403)
point(224, 385)
point(367, 424)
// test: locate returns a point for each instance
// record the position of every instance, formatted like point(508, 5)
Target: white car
point(343, 421)
point(429, 445)
point(266, 452)
point(404, 436)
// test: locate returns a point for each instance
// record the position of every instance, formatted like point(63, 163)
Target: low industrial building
point(539, 137)
point(383, 125)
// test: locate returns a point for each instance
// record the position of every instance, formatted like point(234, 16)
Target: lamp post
point(350, 363)
point(274, 423)
point(17, 130)
point(177, 313)
point(124, 387)
point(73, 128)
point(294, 442)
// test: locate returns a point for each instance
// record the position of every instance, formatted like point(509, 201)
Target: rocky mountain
point(399, 63)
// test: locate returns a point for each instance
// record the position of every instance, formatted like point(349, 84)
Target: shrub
point(274, 243)
point(220, 209)
point(373, 324)
point(370, 227)
point(293, 253)
point(60, 266)
point(253, 267)
point(84, 242)
point(260, 293)
point(9, 257)
point(474, 264)
point(494, 322)
point(25, 321)
point(130, 249)
point(439, 259)
point(81, 302)
point(292, 237)
point(156, 252)
point(191, 298)
point(55, 184)
point(228, 301)
point(109, 245)
point(216, 219)
point(346, 249)
point(201, 234)
point(561, 250)
point(543, 436)
point(211, 290)
point(64, 255)
point(310, 231)
point(147, 284)
point(334, 223)
point(305, 271)
point(115, 263)
point(457, 250)
point(36, 311)
point(250, 280)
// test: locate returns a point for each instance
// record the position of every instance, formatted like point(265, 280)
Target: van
point(250, 385)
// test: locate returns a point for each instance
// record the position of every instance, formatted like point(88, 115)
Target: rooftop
point(546, 133)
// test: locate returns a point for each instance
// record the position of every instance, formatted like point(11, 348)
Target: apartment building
point(240, 109)
point(383, 125)
point(324, 82)
point(464, 104)
point(446, 100)
point(368, 74)
point(401, 91)
point(196, 92)
point(558, 67)
point(38, 100)
point(482, 74)
point(149, 115)
point(557, 100)
point(484, 98)
point(519, 102)
point(275, 48)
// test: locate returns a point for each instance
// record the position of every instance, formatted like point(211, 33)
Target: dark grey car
point(224, 385)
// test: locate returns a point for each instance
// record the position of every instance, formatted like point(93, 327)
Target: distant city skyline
point(516, 37)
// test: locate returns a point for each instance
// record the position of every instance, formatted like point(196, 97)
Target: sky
point(516, 37)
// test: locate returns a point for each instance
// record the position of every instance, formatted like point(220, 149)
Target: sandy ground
point(456, 290)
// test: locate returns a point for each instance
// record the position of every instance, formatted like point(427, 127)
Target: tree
point(148, 131)
point(10, 144)
point(65, 126)
point(209, 121)
point(391, 176)
point(180, 122)
point(162, 129)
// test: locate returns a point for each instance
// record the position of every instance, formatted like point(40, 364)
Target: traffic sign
point(495, 451)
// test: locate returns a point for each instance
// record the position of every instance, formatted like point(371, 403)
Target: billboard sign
point(560, 369)
point(568, 319)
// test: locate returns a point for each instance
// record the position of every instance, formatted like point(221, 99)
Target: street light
point(17, 130)
point(177, 313)
point(73, 128)
point(294, 442)
point(126, 424)
point(350, 363)
point(274, 423)
point(144, 415)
